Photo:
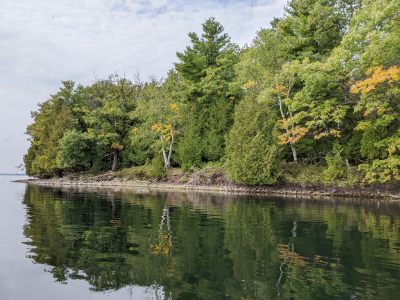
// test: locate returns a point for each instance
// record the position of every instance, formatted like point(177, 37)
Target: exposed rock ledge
point(278, 189)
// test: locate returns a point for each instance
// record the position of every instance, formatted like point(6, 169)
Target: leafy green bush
point(336, 168)
point(76, 150)
point(252, 152)
point(134, 172)
point(354, 178)
point(157, 168)
point(301, 173)
point(96, 168)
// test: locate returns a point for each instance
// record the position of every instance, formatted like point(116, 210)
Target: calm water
point(140, 244)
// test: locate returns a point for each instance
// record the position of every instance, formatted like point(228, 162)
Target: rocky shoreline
point(386, 192)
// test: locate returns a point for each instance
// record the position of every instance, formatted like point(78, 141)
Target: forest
point(314, 97)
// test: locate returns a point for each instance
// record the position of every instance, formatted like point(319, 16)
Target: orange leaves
point(117, 146)
point(115, 222)
point(293, 257)
point(164, 246)
point(333, 132)
point(380, 75)
point(293, 135)
point(279, 90)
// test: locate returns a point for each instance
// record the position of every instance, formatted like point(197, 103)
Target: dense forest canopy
point(321, 86)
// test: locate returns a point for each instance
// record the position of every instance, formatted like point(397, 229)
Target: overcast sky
point(44, 41)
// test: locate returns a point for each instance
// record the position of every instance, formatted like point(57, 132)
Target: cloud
point(44, 42)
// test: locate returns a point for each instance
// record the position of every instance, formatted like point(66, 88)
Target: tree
point(312, 28)
point(262, 74)
point(159, 113)
point(207, 71)
point(76, 150)
point(53, 119)
point(252, 145)
point(108, 113)
point(330, 88)
point(379, 97)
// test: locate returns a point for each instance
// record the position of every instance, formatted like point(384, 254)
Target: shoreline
point(279, 189)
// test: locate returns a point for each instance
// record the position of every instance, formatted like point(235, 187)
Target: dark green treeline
point(237, 248)
point(320, 86)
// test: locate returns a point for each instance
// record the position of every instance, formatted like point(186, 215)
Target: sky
point(43, 42)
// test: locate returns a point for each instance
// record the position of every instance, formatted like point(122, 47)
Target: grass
point(135, 172)
point(302, 173)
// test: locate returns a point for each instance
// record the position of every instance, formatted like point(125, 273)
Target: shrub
point(157, 168)
point(252, 152)
point(301, 173)
point(336, 168)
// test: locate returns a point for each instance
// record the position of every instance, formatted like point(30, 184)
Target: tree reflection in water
point(204, 246)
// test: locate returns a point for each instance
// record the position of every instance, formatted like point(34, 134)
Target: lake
point(114, 243)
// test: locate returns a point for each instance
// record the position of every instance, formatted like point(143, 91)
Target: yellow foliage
point(157, 127)
point(174, 107)
point(249, 85)
point(379, 76)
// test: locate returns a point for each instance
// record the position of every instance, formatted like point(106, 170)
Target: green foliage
point(204, 52)
point(207, 69)
point(336, 168)
point(53, 119)
point(370, 138)
point(190, 143)
point(252, 145)
point(157, 168)
point(135, 172)
point(159, 112)
point(107, 112)
point(354, 178)
point(97, 168)
point(76, 151)
point(301, 173)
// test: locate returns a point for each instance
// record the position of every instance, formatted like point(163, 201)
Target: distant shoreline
point(4, 174)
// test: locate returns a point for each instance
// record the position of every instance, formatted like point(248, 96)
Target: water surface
point(80, 243)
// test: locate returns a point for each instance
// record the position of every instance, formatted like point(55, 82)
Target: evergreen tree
point(207, 71)
point(252, 145)
point(53, 119)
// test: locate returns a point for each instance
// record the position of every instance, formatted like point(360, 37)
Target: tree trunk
point(115, 162)
point(294, 153)
point(167, 163)
point(287, 131)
